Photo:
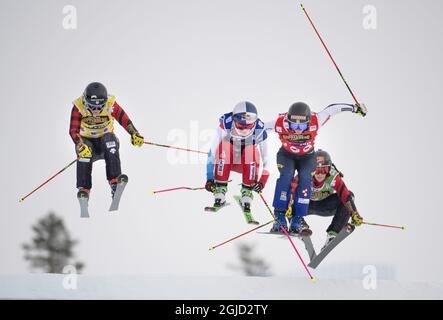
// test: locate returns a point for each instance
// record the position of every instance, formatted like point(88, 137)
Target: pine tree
point(51, 248)
point(251, 265)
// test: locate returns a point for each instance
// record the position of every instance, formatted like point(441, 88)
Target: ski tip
point(313, 279)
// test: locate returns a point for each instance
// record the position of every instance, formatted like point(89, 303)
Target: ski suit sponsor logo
point(252, 171)
point(320, 195)
point(312, 128)
point(95, 120)
point(279, 129)
point(220, 167)
point(283, 196)
point(297, 137)
point(111, 144)
point(303, 200)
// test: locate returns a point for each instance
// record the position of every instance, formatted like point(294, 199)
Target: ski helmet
point(326, 158)
point(299, 112)
point(95, 96)
point(244, 115)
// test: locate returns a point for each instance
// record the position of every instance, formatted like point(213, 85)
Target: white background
point(173, 62)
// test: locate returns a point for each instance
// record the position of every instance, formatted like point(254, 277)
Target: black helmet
point(327, 158)
point(95, 96)
point(299, 112)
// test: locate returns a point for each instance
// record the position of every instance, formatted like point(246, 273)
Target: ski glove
point(360, 109)
point(260, 185)
point(137, 139)
point(210, 186)
point(357, 219)
point(83, 150)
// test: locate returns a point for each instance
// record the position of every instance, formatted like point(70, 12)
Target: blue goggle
point(298, 126)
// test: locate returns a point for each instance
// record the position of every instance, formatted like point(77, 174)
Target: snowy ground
point(47, 286)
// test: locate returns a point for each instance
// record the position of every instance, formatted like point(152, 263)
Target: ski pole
point(384, 225)
point(70, 164)
point(178, 188)
point(171, 147)
point(329, 53)
point(240, 235)
point(290, 240)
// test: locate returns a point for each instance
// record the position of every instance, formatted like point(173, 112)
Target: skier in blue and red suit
point(297, 130)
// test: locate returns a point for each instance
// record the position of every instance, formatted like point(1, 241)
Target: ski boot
point(280, 221)
point(117, 187)
point(83, 193)
point(220, 195)
point(330, 235)
point(113, 184)
point(246, 199)
point(299, 227)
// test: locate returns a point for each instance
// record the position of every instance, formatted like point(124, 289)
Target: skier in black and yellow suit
point(91, 129)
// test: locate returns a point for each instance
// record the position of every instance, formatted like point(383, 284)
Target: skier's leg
point(223, 166)
point(286, 167)
point(110, 148)
point(305, 165)
point(250, 167)
point(84, 170)
point(340, 219)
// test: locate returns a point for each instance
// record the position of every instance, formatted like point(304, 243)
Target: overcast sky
point(175, 67)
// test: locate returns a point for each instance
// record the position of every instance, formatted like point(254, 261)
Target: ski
point(83, 199)
point(309, 247)
point(306, 241)
point(344, 233)
point(216, 209)
point(122, 182)
point(247, 214)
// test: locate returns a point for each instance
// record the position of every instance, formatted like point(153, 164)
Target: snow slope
point(50, 286)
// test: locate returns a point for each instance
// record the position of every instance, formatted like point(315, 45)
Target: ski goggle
point(322, 170)
point(298, 126)
point(95, 107)
point(244, 126)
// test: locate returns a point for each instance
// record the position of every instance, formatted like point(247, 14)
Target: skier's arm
point(333, 109)
point(263, 146)
point(74, 125)
point(123, 118)
point(211, 155)
point(347, 199)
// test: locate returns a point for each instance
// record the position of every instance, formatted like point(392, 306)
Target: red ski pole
point(171, 147)
point(178, 188)
point(329, 53)
point(384, 225)
point(240, 235)
point(290, 240)
point(70, 164)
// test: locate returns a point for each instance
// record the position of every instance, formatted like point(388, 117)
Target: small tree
point(51, 248)
point(251, 265)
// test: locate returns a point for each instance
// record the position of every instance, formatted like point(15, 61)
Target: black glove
point(210, 186)
point(360, 108)
point(258, 187)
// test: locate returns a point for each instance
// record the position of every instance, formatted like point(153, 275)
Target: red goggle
point(322, 170)
point(244, 126)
